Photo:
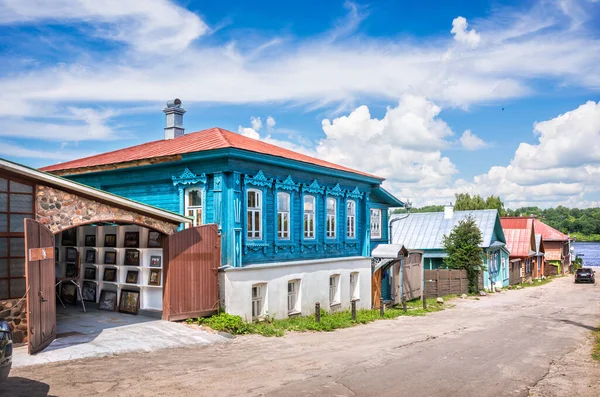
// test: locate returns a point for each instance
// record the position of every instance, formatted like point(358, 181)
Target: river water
point(590, 252)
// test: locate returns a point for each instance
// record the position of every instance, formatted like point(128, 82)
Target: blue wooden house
point(425, 232)
point(296, 230)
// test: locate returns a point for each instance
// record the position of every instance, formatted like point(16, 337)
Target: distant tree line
point(581, 223)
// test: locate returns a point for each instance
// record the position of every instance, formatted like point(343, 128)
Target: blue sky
point(437, 97)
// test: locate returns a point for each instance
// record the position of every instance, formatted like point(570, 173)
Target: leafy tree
point(464, 252)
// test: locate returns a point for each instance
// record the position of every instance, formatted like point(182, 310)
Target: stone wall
point(15, 313)
point(58, 210)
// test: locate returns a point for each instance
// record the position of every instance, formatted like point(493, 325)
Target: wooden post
point(353, 310)
point(424, 300)
point(404, 303)
point(318, 312)
point(381, 308)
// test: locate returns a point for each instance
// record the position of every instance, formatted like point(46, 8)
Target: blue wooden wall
point(225, 181)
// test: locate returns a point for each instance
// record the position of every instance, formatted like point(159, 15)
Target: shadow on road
point(590, 327)
point(22, 387)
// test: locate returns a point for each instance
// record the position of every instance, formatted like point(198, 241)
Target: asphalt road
point(500, 345)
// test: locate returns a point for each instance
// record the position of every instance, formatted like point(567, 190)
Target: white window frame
point(284, 233)
point(309, 234)
point(334, 289)
point(259, 298)
point(293, 296)
point(197, 210)
point(330, 219)
point(354, 286)
point(256, 231)
point(375, 222)
point(351, 219)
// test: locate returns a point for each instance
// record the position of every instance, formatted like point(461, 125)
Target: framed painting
point(132, 277)
point(108, 300)
point(155, 261)
point(90, 256)
point(132, 258)
point(110, 240)
point(110, 257)
point(56, 254)
point(69, 238)
point(154, 277)
point(71, 254)
point(132, 239)
point(110, 274)
point(129, 302)
point(89, 273)
point(68, 293)
point(71, 271)
point(154, 239)
point(89, 291)
point(90, 240)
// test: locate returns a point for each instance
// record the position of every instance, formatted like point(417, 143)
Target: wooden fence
point(442, 282)
point(412, 275)
point(514, 272)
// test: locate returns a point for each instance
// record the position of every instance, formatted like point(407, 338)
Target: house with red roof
point(520, 241)
point(557, 245)
point(295, 229)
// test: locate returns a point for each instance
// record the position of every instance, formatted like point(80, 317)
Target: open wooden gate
point(40, 276)
point(191, 285)
point(412, 276)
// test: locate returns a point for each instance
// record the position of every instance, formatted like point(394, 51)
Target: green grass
point(329, 321)
point(596, 344)
point(536, 283)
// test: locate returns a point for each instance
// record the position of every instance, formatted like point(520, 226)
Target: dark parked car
point(585, 275)
point(5, 350)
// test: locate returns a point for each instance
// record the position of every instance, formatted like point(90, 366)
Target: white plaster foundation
point(235, 285)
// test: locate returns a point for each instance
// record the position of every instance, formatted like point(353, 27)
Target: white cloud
point(462, 35)
point(563, 167)
point(149, 25)
point(270, 122)
point(471, 141)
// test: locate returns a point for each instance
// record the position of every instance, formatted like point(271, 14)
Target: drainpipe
point(408, 206)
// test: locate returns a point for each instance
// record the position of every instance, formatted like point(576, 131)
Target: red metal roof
point(518, 232)
point(549, 233)
point(211, 139)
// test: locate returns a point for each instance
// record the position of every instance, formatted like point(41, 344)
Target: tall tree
point(464, 252)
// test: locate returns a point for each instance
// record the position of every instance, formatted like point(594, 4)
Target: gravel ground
point(531, 341)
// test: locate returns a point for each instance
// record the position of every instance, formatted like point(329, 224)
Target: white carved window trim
point(375, 223)
point(253, 225)
point(284, 216)
point(330, 218)
point(309, 216)
point(351, 219)
point(196, 210)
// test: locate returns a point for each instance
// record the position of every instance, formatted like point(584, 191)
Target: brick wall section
point(15, 313)
point(59, 210)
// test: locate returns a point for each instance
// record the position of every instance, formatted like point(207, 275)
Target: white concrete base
point(235, 285)
point(112, 333)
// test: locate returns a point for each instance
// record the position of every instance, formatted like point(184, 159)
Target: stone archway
point(59, 210)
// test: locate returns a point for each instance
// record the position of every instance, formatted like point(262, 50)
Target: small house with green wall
point(426, 231)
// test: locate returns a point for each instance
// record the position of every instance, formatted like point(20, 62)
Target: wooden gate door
point(412, 277)
point(191, 274)
point(40, 279)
